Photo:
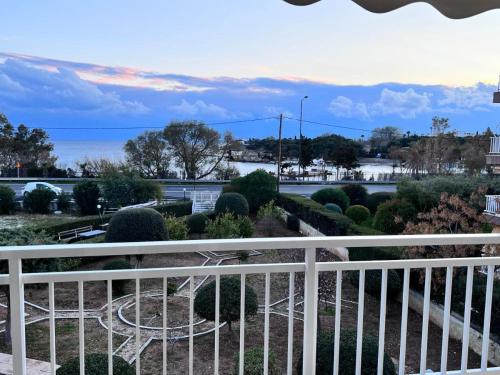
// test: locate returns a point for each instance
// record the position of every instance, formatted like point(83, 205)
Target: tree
point(306, 153)
point(197, 148)
point(343, 156)
point(86, 194)
point(148, 154)
point(381, 138)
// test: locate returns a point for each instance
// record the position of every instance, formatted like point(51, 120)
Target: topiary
point(197, 223)
point(229, 307)
point(329, 195)
point(176, 227)
point(293, 223)
point(63, 202)
point(233, 203)
point(86, 195)
point(7, 200)
point(96, 364)
point(254, 362)
point(334, 208)
point(118, 264)
point(357, 193)
point(258, 187)
point(376, 199)
point(392, 216)
point(358, 213)
point(373, 282)
point(38, 201)
point(136, 225)
point(347, 355)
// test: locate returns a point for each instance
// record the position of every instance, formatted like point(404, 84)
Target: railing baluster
point(291, 313)
point(381, 331)
point(361, 308)
point(310, 312)
point(266, 322)
point(487, 319)
point(338, 307)
point(425, 320)
point(191, 326)
point(404, 322)
point(446, 319)
point(81, 328)
point(467, 314)
point(138, 326)
point(16, 287)
point(110, 326)
point(52, 328)
point(165, 298)
point(242, 324)
point(217, 318)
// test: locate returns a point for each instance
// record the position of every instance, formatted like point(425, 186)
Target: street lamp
point(300, 129)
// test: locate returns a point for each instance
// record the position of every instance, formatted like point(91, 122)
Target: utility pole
point(279, 154)
point(300, 129)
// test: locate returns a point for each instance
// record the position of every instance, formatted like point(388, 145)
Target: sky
point(128, 63)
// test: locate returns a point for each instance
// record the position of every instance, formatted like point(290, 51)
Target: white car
point(30, 186)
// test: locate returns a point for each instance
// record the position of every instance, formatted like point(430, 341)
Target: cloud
point(405, 104)
point(475, 98)
point(344, 107)
point(201, 108)
point(26, 86)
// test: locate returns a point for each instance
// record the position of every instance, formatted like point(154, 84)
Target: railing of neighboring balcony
point(495, 145)
point(492, 204)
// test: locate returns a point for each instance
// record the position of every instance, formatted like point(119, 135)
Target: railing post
point(310, 313)
point(17, 317)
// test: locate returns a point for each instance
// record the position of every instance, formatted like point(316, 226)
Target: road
point(177, 191)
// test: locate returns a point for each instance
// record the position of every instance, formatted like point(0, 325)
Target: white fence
point(17, 280)
point(204, 200)
point(493, 204)
point(495, 145)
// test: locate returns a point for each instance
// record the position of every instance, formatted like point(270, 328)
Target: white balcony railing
point(495, 145)
point(310, 268)
point(492, 204)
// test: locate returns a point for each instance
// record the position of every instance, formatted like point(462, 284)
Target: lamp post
point(300, 129)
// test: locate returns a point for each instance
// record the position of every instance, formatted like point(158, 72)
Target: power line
point(329, 125)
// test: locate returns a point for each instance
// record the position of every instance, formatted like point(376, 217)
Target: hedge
point(327, 222)
point(178, 209)
point(81, 222)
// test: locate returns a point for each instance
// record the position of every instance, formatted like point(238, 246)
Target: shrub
point(118, 264)
point(136, 225)
point(347, 355)
point(86, 195)
point(177, 209)
point(373, 282)
point(233, 203)
point(376, 199)
point(229, 308)
point(258, 188)
point(63, 202)
point(269, 210)
point(122, 189)
point(328, 222)
point(358, 213)
point(38, 201)
point(334, 208)
point(416, 195)
point(254, 362)
point(177, 228)
point(357, 193)
point(360, 230)
point(228, 226)
point(197, 223)
point(293, 223)
point(96, 364)
point(392, 216)
point(7, 200)
point(329, 195)
point(374, 253)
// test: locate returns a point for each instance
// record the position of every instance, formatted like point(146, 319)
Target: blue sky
point(129, 63)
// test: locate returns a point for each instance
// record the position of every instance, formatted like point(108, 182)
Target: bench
point(73, 233)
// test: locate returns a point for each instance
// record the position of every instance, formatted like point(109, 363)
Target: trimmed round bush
point(137, 225)
point(329, 195)
point(234, 203)
point(358, 213)
point(392, 216)
point(293, 223)
point(334, 208)
point(376, 199)
point(373, 282)
point(357, 193)
point(118, 264)
point(38, 201)
point(86, 195)
point(7, 200)
point(258, 187)
point(347, 355)
point(96, 364)
point(197, 223)
point(254, 362)
point(229, 310)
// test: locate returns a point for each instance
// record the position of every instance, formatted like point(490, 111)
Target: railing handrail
point(165, 247)
point(495, 145)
